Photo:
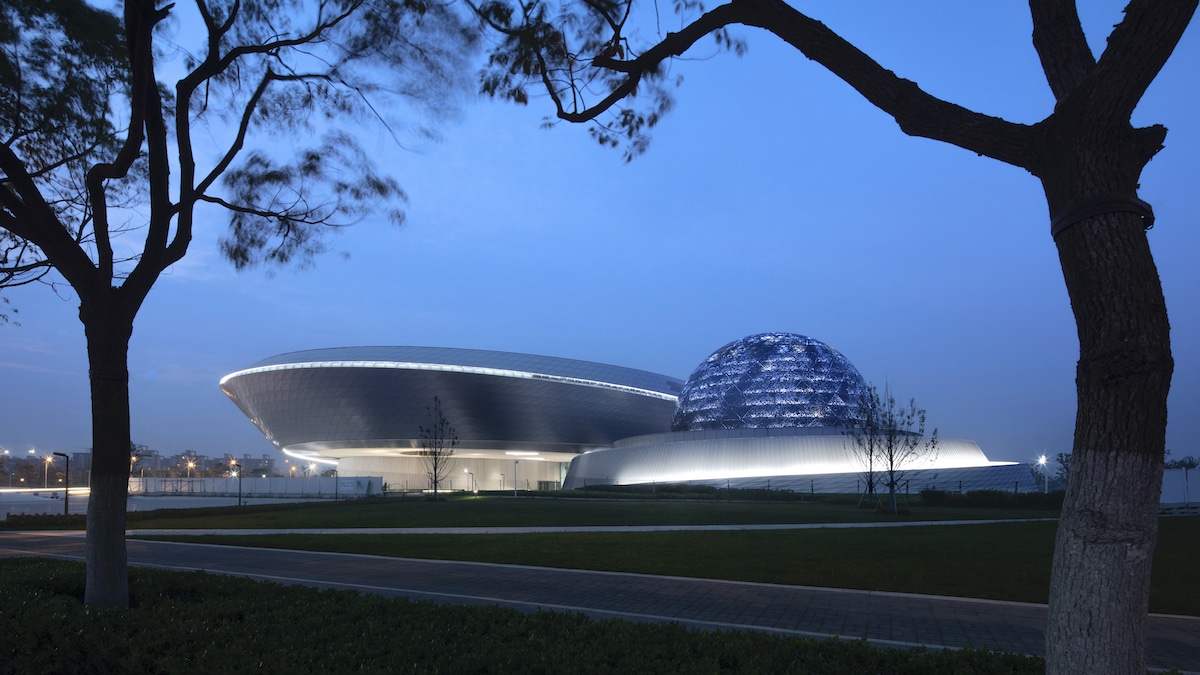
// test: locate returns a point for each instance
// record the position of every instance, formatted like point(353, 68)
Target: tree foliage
point(121, 134)
point(1181, 463)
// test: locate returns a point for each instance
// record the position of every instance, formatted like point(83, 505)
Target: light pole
point(46, 474)
point(238, 475)
point(501, 481)
point(190, 465)
point(1045, 474)
point(66, 483)
point(515, 477)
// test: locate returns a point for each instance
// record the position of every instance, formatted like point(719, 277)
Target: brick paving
point(887, 618)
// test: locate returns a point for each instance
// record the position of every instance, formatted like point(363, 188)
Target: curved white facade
point(521, 418)
point(362, 408)
point(797, 458)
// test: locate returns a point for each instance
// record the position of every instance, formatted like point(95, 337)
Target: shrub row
point(196, 622)
point(994, 499)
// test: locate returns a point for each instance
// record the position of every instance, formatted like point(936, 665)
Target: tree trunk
point(1100, 580)
point(107, 582)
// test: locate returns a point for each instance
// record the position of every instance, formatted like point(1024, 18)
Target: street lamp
point(470, 479)
point(66, 483)
point(1045, 474)
point(46, 476)
point(515, 477)
point(238, 475)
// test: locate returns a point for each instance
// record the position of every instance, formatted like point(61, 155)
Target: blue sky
point(771, 199)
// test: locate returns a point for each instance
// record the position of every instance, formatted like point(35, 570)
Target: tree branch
point(280, 216)
point(140, 19)
point(1137, 50)
point(215, 64)
point(1061, 45)
point(31, 217)
point(673, 44)
point(917, 112)
point(152, 261)
point(239, 140)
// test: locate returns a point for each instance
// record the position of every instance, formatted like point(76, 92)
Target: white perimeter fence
point(329, 487)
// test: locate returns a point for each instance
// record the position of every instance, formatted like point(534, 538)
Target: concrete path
point(888, 619)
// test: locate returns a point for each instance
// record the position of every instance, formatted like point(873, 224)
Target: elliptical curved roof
point(527, 364)
point(346, 401)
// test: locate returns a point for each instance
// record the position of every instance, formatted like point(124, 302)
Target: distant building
point(768, 409)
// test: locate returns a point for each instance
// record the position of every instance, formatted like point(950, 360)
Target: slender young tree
point(106, 169)
point(903, 445)
point(1088, 157)
point(438, 441)
point(866, 437)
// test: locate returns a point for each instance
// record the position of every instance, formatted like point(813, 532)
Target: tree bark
point(108, 334)
point(1100, 579)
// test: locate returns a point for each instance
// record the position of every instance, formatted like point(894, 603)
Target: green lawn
point(494, 511)
point(200, 623)
point(1003, 561)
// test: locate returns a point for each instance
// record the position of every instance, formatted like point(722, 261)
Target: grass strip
point(1001, 561)
point(201, 623)
point(492, 511)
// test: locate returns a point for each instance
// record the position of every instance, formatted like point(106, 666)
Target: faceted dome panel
point(771, 380)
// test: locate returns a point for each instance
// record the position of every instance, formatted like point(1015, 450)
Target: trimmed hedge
point(994, 499)
point(201, 623)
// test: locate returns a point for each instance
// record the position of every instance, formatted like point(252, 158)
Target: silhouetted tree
point(1181, 463)
point(1088, 157)
point(103, 165)
point(438, 441)
point(903, 445)
point(867, 438)
point(1062, 473)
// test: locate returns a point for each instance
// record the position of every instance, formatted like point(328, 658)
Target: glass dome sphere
point(770, 380)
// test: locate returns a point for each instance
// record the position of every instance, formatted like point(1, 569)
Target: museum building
point(775, 410)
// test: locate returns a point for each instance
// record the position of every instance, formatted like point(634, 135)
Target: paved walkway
point(889, 619)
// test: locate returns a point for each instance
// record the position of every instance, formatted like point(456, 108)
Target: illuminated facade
point(773, 380)
point(769, 410)
point(777, 411)
point(361, 408)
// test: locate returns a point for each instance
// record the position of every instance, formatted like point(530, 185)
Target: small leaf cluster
point(579, 55)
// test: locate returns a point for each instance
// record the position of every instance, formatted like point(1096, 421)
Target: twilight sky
point(772, 199)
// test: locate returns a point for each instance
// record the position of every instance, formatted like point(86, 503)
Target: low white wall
point(348, 487)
